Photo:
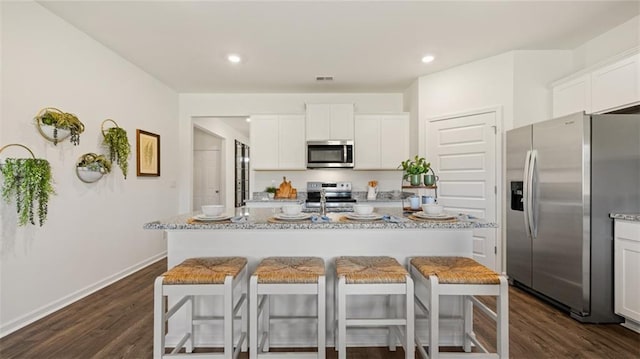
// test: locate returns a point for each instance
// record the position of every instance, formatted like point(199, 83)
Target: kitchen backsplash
point(387, 180)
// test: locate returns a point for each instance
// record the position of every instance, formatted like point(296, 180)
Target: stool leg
point(159, 309)
point(335, 315)
point(342, 318)
point(434, 317)
point(322, 318)
point(189, 314)
point(245, 310)
point(253, 318)
point(467, 311)
point(266, 322)
point(502, 308)
point(228, 317)
point(409, 344)
point(391, 313)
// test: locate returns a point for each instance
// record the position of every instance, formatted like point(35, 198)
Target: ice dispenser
point(516, 196)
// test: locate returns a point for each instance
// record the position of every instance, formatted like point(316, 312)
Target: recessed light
point(248, 119)
point(234, 58)
point(428, 58)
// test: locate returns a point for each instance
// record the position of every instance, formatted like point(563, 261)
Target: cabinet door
point(616, 85)
point(572, 96)
point(264, 142)
point(341, 122)
point(318, 116)
point(367, 142)
point(292, 146)
point(394, 141)
point(627, 269)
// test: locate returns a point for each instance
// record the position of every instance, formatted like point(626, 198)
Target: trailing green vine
point(62, 120)
point(29, 181)
point(94, 162)
point(119, 148)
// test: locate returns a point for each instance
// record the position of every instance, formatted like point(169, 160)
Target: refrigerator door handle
point(530, 215)
point(525, 193)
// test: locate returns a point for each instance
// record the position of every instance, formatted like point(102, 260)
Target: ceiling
point(371, 46)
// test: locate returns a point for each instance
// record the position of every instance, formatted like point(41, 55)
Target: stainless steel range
point(337, 194)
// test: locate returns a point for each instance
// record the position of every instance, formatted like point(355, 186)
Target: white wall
point(223, 105)
point(93, 234)
point(622, 37)
point(228, 135)
point(411, 102)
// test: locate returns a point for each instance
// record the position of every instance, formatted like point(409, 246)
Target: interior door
point(462, 152)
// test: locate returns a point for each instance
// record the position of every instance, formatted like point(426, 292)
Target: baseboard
point(10, 327)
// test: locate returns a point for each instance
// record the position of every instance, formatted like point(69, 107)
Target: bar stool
point(462, 277)
point(285, 275)
point(375, 276)
point(201, 277)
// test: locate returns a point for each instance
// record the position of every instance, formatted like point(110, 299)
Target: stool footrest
point(181, 343)
point(294, 317)
point(477, 343)
point(380, 322)
point(486, 310)
point(176, 307)
point(291, 355)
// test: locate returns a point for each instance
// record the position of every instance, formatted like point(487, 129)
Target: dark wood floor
point(116, 322)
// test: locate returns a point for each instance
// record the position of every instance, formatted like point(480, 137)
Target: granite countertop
point(258, 218)
point(634, 217)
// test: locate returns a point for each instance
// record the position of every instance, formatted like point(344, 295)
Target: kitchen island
point(261, 236)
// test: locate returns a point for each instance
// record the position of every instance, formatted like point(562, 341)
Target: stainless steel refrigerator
point(564, 177)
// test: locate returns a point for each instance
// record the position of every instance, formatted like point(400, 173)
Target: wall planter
point(28, 180)
point(115, 139)
point(55, 125)
point(91, 167)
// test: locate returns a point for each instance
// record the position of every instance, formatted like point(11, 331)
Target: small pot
point(430, 180)
point(415, 180)
point(88, 176)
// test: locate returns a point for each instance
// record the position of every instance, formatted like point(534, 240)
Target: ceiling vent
point(324, 78)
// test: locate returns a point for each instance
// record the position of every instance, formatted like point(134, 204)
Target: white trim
point(499, 165)
point(600, 64)
point(12, 326)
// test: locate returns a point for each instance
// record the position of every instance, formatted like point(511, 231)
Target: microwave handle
point(344, 154)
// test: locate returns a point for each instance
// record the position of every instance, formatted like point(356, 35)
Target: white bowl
point(363, 208)
point(432, 208)
point(212, 210)
point(292, 209)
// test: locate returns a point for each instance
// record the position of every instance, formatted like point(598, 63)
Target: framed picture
point(147, 153)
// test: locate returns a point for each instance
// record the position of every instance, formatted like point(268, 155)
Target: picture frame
point(147, 153)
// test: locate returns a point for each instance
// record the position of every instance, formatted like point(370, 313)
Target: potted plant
point(29, 181)
point(91, 167)
point(271, 191)
point(115, 138)
point(60, 125)
point(414, 168)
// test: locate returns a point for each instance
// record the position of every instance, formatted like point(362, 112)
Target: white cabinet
point(627, 270)
point(572, 96)
point(602, 89)
point(277, 142)
point(616, 85)
point(381, 141)
point(329, 122)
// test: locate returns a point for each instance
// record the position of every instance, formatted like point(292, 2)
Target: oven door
point(330, 154)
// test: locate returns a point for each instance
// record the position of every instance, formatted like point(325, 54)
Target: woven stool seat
point(289, 270)
point(205, 270)
point(455, 270)
point(368, 270)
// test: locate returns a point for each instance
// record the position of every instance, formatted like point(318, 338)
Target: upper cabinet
point(329, 122)
point(381, 141)
point(603, 89)
point(277, 142)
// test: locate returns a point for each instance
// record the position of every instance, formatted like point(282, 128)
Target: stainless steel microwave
point(330, 154)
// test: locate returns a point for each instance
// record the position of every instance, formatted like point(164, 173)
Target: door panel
point(558, 210)
point(518, 240)
point(462, 152)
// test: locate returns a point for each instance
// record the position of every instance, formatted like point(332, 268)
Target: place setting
point(291, 213)
point(214, 214)
point(432, 212)
point(361, 213)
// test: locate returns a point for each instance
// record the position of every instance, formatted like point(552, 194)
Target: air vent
point(324, 78)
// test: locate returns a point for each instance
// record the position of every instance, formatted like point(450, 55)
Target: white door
point(206, 178)
point(462, 152)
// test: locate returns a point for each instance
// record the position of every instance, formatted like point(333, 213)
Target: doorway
point(207, 168)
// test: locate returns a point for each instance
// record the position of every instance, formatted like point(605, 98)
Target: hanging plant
point(95, 163)
point(29, 181)
point(115, 138)
point(60, 121)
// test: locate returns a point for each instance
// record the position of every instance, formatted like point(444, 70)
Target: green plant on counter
point(62, 120)
point(416, 166)
point(93, 162)
point(119, 148)
point(29, 181)
point(270, 190)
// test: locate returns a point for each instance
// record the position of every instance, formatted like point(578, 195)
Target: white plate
point(363, 217)
point(202, 217)
point(433, 216)
point(294, 217)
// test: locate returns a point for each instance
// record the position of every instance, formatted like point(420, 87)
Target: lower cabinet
point(627, 270)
